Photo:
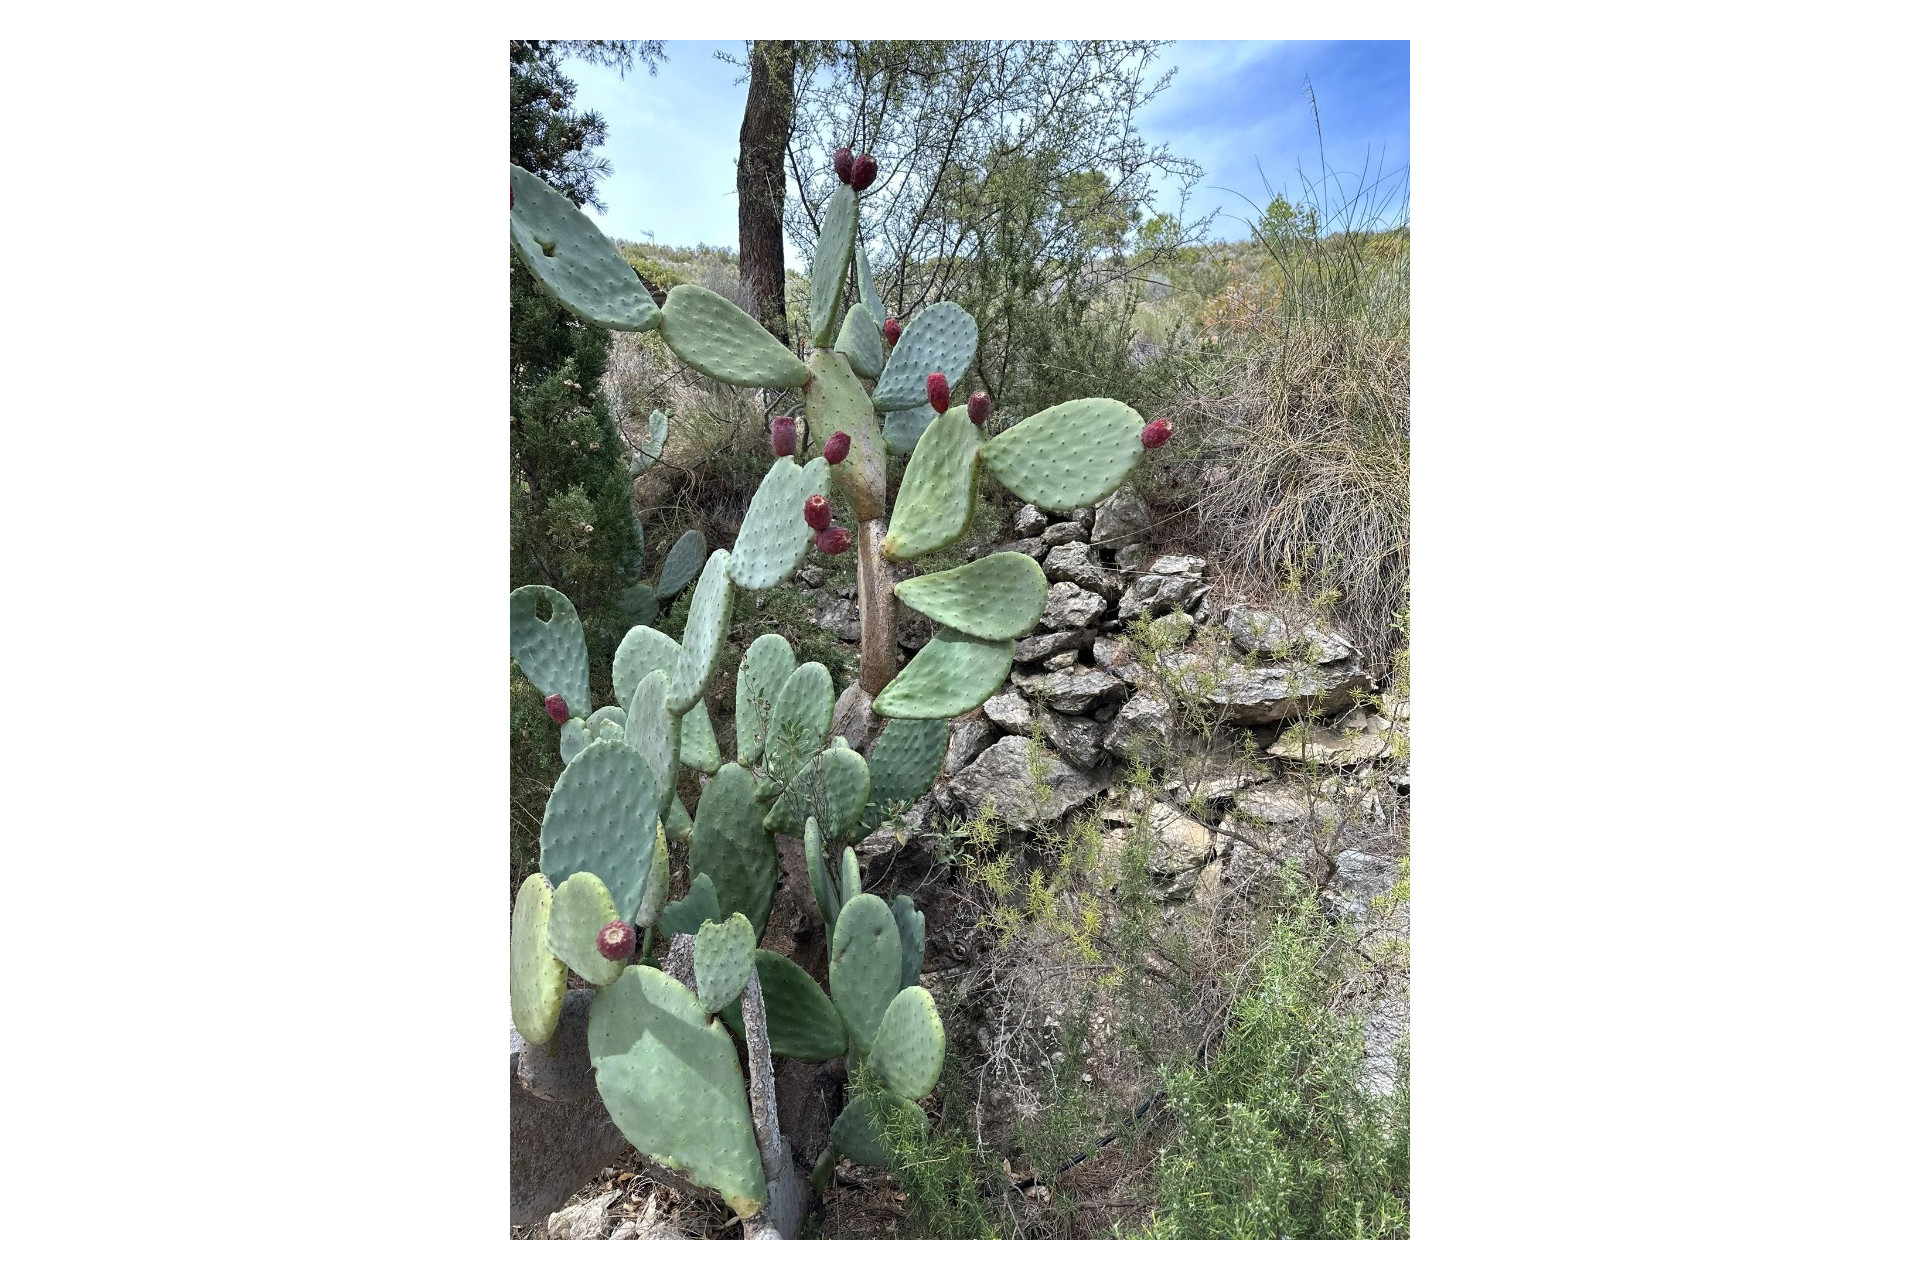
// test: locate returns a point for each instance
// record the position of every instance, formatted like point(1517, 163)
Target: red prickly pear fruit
point(865, 170)
point(1156, 433)
point(892, 329)
point(843, 163)
point(783, 437)
point(835, 450)
point(978, 407)
point(819, 515)
point(832, 540)
point(617, 940)
point(557, 708)
point(937, 393)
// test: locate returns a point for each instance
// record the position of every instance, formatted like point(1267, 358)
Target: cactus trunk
point(879, 648)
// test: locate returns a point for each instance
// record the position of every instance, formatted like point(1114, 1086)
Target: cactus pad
point(682, 563)
point(640, 602)
point(608, 723)
point(941, 339)
point(910, 1045)
point(641, 650)
point(913, 939)
point(655, 733)
point(951, 676)
point(582, 907)
point(999, 597)
point(574, 262)
point(687, 914)
point(671, 1081)
point(802, 715)
point(658, 880)
point(838, 223)
point(731, 846)
point(849, 873)
point(863, 275)
point(699, 749)
point(864, 969)
point(860, 342)
point(552, 654)
point(651, 446)
point(836, 401)
point(573, 739)
point(602, 817)
point(905, 427)
point(707, 620)
point(722, 956)
point(679, 823)
point(539, 977)
point(763, 672)
point(1071, 455)
point(724, 342)
point(936, 495)
point(774, 536)
point(832, 787)
point(857, 1133)
point(802, 1023)
point(826, 895)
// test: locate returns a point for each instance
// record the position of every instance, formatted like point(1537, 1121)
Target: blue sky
point(1234, 106)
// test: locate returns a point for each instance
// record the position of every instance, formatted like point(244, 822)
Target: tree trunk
point(762, 181)
point(879, 642)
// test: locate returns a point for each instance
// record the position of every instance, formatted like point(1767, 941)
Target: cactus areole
point(835, 450)
point(557, 708)
point(938, 393)
point(783, 437)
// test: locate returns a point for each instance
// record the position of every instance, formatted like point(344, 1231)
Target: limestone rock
point(1072, 692)
point(1143, 729)
point(1045, 644)
point(1216, 774)
point(1069, 607)
point(581, 1221)
point(1060, 661)
point(1075, 562)
point(813, 575)
point(1316, 744)
point(1025, 546)
point(1009, 711)
point(841, 617)
point(1171, 582)
point(1121, 518)
point(1030, 522)
point(1006, 772)
point(853, 716)
point(966, 738)
point(1064, 532)
point(1271, 804)
point(1115, 654)
point(1076, 738)
point(1181, 847)
point(1267, 635)
point(1132, 555)
point(1262, 695)
point(554, 1147)
point(913, 630)
point(559, 1070)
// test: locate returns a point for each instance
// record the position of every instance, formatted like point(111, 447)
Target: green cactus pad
point(582, 907)
point(699, 749)
point(640, 602)
point(832, 787)
point(836, 401)
point(707, 620)
point(574, 262)
point(607, 724)
point(905, 427)
point(826, 895)
point(655, 898)
point(573, 739)
point(910, 1045)
point(857, 1133)
point(906, 758)
point(936, 495)
point(849, 874)
point(802, 1023)
point(913, 939)
point(722, 954)
point(682, 563)
point(998, 597)
point(864, 969)
point(732, 848)
point(863, 274)
point(838, 223)
point(679, 823)
point(951, 676)
point(774, 537)
point(671, 1081)
point(1071, 455)
point(651, 446)
point(552, 654)
point(654, 732)
point(602, 817)
point(724, 342)
point(686, 915)
point(861, 342)
point(802, 715)
point(539, 977)
point(763, 671)
point(641, 650)
point(941, 339)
